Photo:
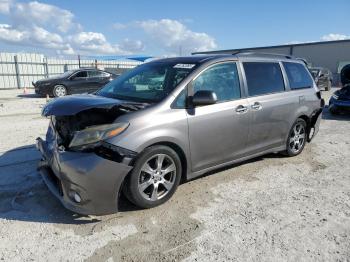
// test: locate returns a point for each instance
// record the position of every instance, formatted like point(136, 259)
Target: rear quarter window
point(298, 75)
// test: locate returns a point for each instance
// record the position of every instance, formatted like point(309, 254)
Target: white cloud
point(36, 37)
point(332, 37)
point(36, 13)
point(11, 35)
point(133, 46)
point(171, 35)
point(93, 42)
point(5, 6)
point(49, 27)
point(96, 42)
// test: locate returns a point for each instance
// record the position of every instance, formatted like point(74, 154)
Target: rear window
point(298, 75)
point(263, 78)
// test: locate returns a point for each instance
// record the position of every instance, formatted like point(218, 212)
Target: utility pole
point(79, 60)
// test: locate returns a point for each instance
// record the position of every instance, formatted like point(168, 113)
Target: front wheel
point(296, 138)
point(154, 178)
point(59, 91)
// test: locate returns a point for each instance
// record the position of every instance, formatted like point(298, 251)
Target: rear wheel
point(59, 91)
point(297, 138)
point(154, 178)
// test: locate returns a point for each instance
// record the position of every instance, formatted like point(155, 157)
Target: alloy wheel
point(297, 138)
point(157, 177)
point(60, 90)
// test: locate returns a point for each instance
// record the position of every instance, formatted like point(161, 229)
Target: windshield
point(150, 82)
point(67, 73)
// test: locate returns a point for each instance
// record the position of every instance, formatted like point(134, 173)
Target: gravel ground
point(269, 209)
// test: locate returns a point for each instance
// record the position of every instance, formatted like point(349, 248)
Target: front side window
point(263, 78)
point(150, 82)
point(298, 75)
point(222, 79)
point(81, 74)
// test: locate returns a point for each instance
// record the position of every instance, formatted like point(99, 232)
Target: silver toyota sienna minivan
point(173, 119)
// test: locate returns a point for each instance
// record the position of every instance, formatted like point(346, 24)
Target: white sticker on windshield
point(186, 66)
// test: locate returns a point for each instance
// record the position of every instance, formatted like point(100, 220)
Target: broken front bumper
point(96, 180)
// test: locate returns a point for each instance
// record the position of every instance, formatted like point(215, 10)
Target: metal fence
point(20, 70)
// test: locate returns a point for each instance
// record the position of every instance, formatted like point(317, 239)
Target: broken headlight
point(94, 134)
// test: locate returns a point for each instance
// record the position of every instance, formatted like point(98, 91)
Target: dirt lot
point(270, 209)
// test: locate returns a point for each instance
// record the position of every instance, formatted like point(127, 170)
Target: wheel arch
point(179, 150)
point(301, 116)
point(310, 122)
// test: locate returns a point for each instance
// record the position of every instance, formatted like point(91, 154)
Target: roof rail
point(261, 54)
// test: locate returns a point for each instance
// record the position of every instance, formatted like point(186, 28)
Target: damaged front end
point(78, 166)
point(83, 122)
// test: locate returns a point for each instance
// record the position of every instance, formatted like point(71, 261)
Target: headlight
point(335, 96)
point(95, 134)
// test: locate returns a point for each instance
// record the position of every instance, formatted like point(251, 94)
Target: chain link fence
point(20, 70)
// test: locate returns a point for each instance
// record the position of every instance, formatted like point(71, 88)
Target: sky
point(165, 28)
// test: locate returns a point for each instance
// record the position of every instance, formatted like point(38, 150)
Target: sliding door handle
point(257, 106)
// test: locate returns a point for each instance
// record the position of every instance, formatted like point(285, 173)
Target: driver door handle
point(241, 109)
point(257, 106)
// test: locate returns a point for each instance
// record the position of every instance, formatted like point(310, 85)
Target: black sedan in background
point(83, 80)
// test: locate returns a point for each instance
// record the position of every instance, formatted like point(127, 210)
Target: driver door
point(78, 83)
point(218, 133)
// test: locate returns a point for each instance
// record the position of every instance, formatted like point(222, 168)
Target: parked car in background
point(340, 100)
point(323, 77)
point(173, 119)
point(83, 80)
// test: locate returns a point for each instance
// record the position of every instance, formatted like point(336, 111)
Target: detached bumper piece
point(85, 183)
point(315, 122)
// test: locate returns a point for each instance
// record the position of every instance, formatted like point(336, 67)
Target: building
point(329, 54)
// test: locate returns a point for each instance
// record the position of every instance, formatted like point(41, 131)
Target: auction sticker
point(186, 66)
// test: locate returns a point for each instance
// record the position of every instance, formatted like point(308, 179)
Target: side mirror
point(204, 97)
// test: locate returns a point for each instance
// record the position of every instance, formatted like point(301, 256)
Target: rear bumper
point(96, 180)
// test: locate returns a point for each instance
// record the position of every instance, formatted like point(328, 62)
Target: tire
point(59, 91)
point(149, 184)
point(297, 137)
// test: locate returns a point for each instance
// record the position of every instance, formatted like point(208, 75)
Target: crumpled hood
point(73, 104)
